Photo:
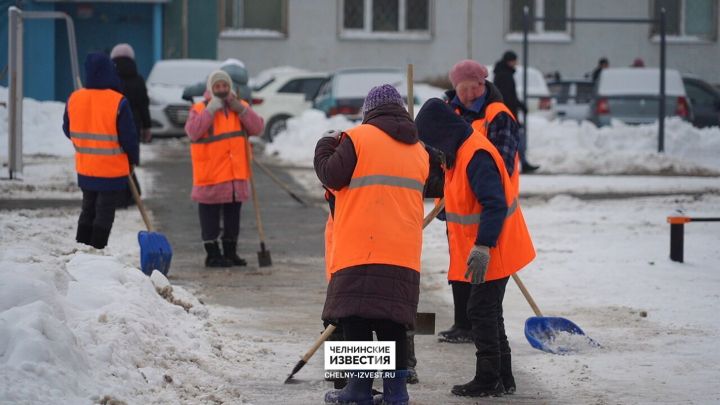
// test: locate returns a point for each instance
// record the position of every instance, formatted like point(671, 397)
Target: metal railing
point(15, 77)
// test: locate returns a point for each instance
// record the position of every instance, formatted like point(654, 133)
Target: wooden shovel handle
point(138, 201)
point(323, 337)
point(248, 154)
point(436, 210)
point(527, 295)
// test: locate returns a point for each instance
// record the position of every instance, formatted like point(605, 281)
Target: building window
point(392, 19)
point(554, 28)
point(694, 19)
point(254, 18)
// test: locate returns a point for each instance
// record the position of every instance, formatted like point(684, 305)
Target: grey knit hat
point(122, 50)
point(381, 95)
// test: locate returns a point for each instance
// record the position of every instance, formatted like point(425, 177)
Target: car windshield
point(358, 84)
point(181, 73)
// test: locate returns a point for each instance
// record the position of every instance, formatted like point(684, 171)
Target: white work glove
point(234, 103)
point(214, 105)
point(477, 263)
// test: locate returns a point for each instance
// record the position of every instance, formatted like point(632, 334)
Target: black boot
point(456, 335)
point(412, 377)
point(506, 373)
point(214, 258)
point(487, 380)
point(230, 253)
point(99, 238)
point(84, 234)
point(529, 168)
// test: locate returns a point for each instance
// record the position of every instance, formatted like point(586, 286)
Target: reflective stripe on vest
point(220, 137)
point(393, 181)
point(219, 155)
point(378, 216)
point(475, 218)
point(514, 248)
point(92, 115)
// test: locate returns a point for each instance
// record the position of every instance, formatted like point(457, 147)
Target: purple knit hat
point(381, 95)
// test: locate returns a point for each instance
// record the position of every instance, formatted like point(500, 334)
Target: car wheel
point(276, 125)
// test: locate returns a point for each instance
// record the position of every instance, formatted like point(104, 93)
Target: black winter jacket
point(134, 90)
point(504, 80)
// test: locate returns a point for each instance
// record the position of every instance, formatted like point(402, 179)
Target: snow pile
point(42, 128)
point(582, 148)
point(80, 326)
point(559, 147)
point(297, 143)
point(562, 342)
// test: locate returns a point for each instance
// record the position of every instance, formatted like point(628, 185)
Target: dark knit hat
point(509, 56)
point(381, 95)
point(439, 126)
point(467, 70)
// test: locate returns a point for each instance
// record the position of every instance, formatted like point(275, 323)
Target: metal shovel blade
point(155, 252)
point(264, 259)
point(556, 335)
point(425, 323)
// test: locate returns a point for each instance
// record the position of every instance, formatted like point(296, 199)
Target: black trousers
point(210, 220)
point(361, 329)
point(486, 315)
point(98, 208)
point(461, 294)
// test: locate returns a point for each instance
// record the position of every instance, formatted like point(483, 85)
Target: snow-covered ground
point(81, 326)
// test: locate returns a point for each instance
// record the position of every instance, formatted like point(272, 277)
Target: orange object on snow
point(93, 129)
point(514, 247)
point(379, 215)
point(219, 156)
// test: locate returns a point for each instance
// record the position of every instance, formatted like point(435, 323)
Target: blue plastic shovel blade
point(155, 252)
point(556, 335)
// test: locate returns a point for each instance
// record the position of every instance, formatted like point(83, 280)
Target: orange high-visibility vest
point(481, 125)
point(514, 248)
point(219, 155)
point(378, 216)
point(93, 129)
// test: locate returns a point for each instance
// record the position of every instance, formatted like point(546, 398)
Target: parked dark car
point(572, 98)
point(705, 100)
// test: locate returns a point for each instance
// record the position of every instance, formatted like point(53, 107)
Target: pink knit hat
point(467, 70)
point(121, 50)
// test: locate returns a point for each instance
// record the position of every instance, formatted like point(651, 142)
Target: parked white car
point(539, 98)
point(283, 96)
point(168, 78)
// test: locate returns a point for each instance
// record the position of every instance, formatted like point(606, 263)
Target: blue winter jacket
point(100, 74)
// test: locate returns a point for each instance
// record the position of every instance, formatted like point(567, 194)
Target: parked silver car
point(572, 98)
point(631, 95)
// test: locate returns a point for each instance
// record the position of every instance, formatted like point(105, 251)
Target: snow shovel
point(280, 183)
point(264, 259)
point(424, 321)
point(155, 249)
point(552, 334)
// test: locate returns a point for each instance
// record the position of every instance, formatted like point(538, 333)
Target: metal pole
point(526, 27)
point(469, 29)
point(185, 35)
point(661, 112)
point(15, 96)
point(77, 82)
point(677, 234)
